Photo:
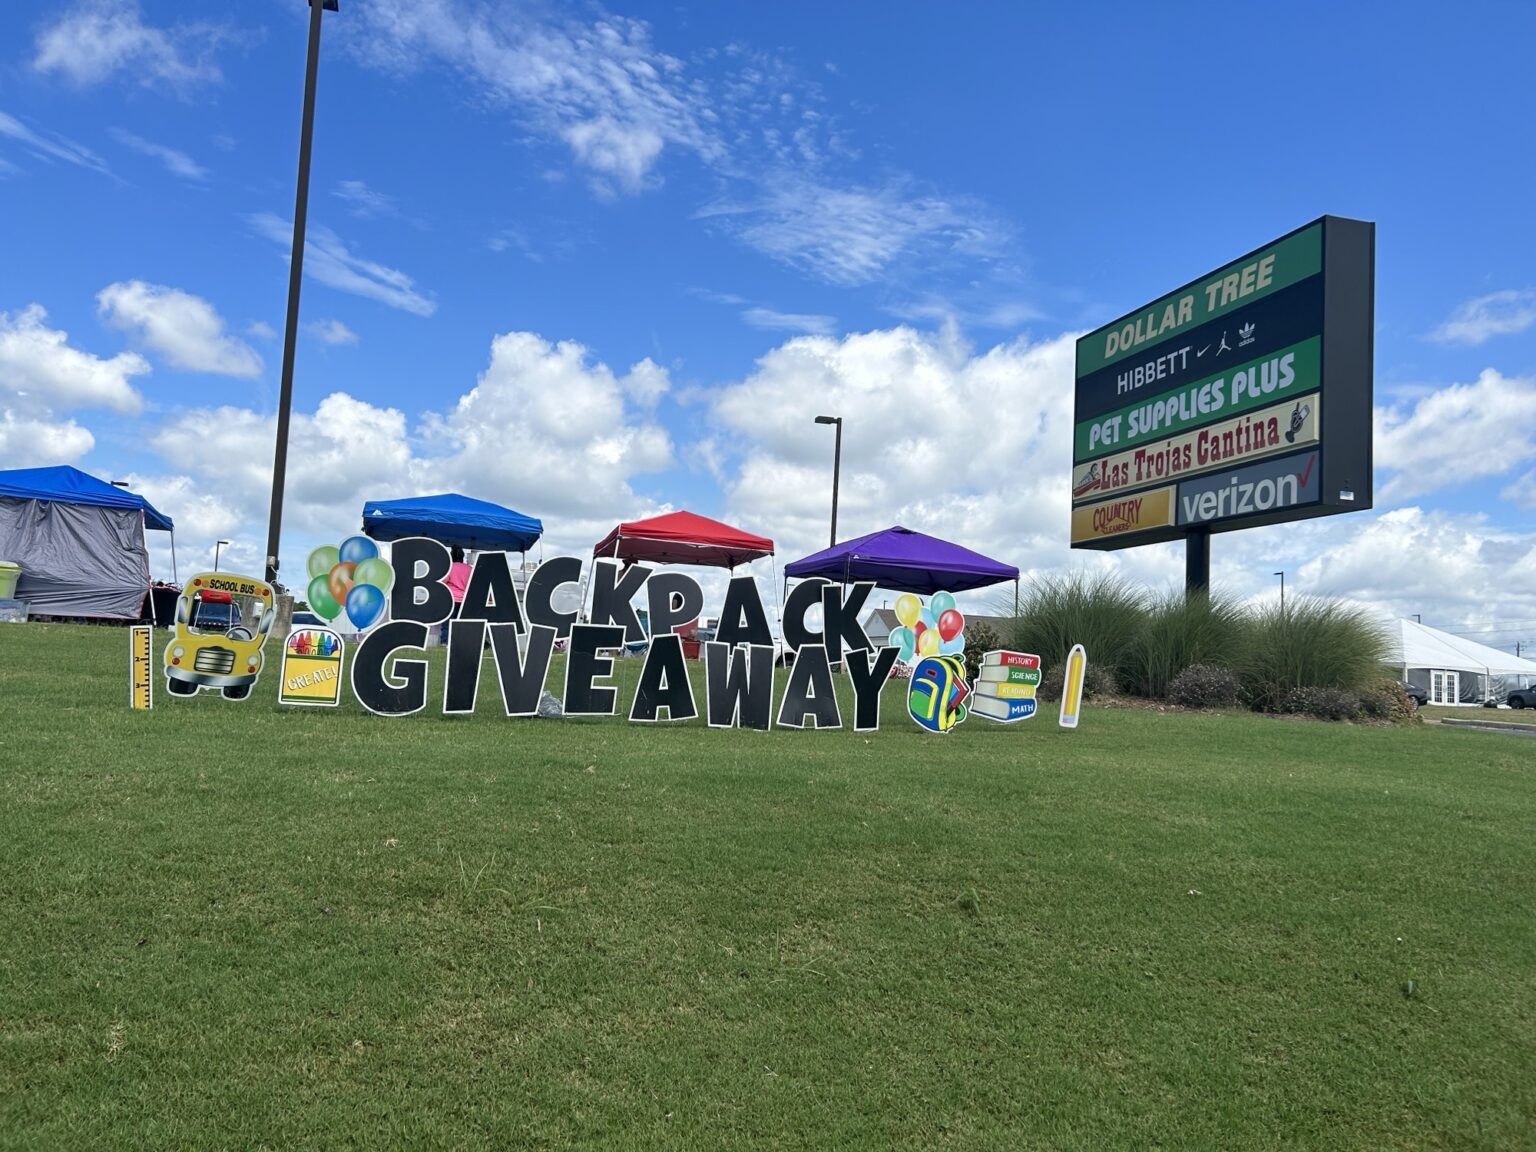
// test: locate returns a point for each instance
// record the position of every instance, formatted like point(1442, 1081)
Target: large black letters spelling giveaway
point(522, 628)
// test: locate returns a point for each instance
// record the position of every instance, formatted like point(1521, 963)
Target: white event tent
point(1453, 669)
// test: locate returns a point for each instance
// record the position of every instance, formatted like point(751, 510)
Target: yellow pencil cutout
point(1072, 687)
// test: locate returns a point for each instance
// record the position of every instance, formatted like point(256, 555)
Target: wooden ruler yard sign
point(141, 684)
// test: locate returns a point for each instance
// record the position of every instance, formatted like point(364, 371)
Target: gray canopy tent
point(79, 541)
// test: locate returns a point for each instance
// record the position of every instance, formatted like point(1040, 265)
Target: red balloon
point(917, 632)
point(951, 623)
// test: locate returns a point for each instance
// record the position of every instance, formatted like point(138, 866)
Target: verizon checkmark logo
point(1306, 473)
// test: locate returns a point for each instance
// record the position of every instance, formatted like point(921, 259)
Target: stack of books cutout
point(1005, 690)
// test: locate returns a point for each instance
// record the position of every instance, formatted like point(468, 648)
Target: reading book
point(1004, 710)
point(1002, 691)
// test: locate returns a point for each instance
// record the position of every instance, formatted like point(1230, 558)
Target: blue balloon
point(904, 639)
point(356, 549)
point(953, 646)
point(941, 603)
point(365, 604)
point(928, 618)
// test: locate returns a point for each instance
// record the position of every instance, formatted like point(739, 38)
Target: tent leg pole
point(175, 576)
point(778, 602)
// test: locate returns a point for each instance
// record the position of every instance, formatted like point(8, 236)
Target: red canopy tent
point(682, 538)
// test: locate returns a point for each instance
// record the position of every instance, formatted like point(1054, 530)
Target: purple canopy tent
point(902, 560)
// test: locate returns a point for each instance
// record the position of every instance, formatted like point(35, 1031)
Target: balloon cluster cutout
point(351, 579)
point(937, 630)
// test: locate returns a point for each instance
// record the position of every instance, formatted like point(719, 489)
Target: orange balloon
point(340, 580)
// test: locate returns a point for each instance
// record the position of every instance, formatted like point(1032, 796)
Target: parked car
point(1523, 697)
point(1420, 696)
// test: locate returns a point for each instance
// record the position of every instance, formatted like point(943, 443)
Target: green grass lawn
point(235, 925)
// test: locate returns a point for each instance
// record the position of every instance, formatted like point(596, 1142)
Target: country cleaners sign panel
point(1266, 356)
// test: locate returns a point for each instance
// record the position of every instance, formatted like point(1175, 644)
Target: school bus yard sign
point(1269, 357)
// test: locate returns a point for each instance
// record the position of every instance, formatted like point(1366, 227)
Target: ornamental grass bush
point(1102, 613)
point(1309, 643)
point(1177, 631)
point(1143, 644)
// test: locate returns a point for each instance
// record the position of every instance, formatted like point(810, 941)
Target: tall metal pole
point(1282, 590)
point(837, 469)
point(295, 274)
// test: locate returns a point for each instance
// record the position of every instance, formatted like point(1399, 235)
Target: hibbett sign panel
point(1269, 357)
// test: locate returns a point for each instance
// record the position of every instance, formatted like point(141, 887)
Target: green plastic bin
point(9, 574)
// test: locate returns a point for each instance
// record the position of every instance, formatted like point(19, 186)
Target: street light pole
point(837, 466)
point(295, 272)
point(217, 546)
point(1282, 590)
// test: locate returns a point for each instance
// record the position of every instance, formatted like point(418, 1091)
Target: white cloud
point(971, 445)
point(260, 330)
point(1459, 433)
point(331, 332)
point(51, 146)
point(97, 39)
point(176, 162)
point(40, 374)
point(975, 447)
point(914, 405)
point(36, 442)
point(184, 328)
point(1496, 314)
point(601, 87)
point(342, 453)
point(327, 259)
point(544, 429)
point(1522, 490)
point(774, 321)
point(553, 429)
point(849, 235)
point(40, 371)
point(363, 201)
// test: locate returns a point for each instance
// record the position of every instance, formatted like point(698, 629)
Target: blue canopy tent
point(79, 541)
point(454, 520)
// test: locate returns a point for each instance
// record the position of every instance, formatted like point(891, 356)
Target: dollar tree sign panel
point(1243, 398)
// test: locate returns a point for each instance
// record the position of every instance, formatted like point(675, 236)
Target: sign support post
point(1197, 563)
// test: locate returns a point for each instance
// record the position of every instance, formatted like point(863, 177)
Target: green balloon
point(320, 598)
point(322, 560)
point(374, 571)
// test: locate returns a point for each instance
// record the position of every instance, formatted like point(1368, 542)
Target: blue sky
point(596, 262)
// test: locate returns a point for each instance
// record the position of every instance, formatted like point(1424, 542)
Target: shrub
point(1102, 613)
point(1204, 686)
point(1309, 643)
point(1178, 631)
point(979, 640)
point(1323, 703)
point(1387, 699)
point(1098, 681)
